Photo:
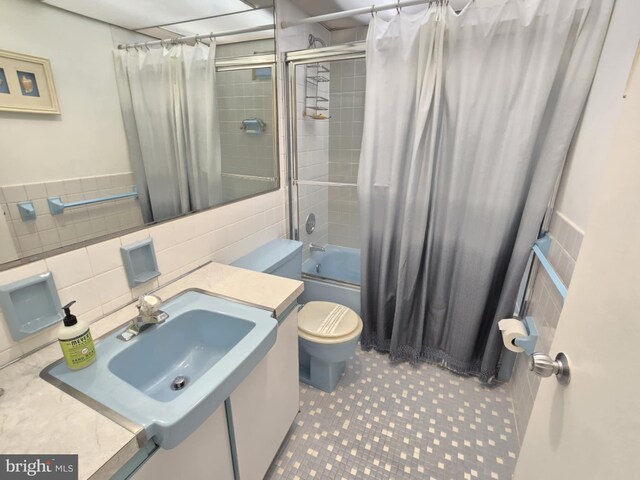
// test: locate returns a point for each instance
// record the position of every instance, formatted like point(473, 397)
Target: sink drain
point(179, 383)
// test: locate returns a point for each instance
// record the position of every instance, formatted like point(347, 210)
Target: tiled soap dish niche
point(140, 262)
point(30, 305)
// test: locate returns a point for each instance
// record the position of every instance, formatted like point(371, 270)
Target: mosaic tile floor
point(400, 422)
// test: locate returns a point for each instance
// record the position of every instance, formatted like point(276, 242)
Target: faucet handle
point(149, 305)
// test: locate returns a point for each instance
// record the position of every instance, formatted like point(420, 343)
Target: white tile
point(134, 237)
point(185, 228)
point(144, 289)
point(86, 297)
point(169, 277)
point(73, 186)
point(163, 236)
point(49, 238)
point(39, 339)
point(117, 303)
point(24, 228)
point(70, 268)
point(171, 259)
point(55, 189)
point(89, 184)
point(197, 248)
point(14, 213)
point(205, 222)
point(44, 221)
point(111, 285)
point(105, 256)
point(35, 191)
point(14, 193)
point(22, 272)
point(92, 315)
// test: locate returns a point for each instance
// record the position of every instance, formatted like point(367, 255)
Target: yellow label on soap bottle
point(78, 352)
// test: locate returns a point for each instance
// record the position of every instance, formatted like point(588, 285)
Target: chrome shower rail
point(196, 38)
point(356, 11)
point(57, 206)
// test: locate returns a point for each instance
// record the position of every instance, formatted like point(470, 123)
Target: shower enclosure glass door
point(326, 99)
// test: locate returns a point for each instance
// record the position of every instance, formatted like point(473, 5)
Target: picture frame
point(26, 84)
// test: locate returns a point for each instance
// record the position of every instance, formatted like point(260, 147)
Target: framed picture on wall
point(26, 84)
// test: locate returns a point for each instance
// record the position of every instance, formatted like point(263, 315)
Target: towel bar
point(57, 206)
point(541, 248)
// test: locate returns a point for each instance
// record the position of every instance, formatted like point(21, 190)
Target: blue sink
point(173, 375)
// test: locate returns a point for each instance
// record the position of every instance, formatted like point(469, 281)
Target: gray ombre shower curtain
point(468, 120)
point(167, 97)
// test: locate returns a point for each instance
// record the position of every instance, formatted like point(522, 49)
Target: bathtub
point(333, 276)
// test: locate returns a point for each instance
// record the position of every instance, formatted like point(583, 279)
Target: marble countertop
point(38, 418)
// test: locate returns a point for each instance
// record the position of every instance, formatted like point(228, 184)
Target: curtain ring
point(398, 7)
point(146, 46)
point(372, 10)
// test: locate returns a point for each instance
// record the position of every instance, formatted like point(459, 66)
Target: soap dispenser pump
point(75, 340)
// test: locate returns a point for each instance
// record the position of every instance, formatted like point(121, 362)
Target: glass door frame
point(292, 60)
point(253, 62)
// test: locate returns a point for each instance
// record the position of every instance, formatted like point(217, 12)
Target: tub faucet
point(148, 314)
point(316, 248)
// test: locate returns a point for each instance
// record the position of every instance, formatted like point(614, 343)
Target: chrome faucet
point(148, 314)
point(316, 248)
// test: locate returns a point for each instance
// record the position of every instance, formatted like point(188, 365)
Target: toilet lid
point(328, 320)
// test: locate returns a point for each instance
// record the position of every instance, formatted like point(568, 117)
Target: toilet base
point(324, 376)
point(324, 367)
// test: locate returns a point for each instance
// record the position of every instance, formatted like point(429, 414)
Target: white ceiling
point(175, 17)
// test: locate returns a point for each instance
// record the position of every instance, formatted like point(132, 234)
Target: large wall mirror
point(116, 114)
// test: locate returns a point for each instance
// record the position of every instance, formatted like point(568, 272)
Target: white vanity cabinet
point(265, 404)
point(205, 454)
point(263, 407)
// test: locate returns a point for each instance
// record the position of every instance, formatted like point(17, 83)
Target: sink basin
point(173, 375)
point(187, 347)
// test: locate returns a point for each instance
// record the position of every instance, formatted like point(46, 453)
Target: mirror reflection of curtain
point(170, 116)
point(458, 164)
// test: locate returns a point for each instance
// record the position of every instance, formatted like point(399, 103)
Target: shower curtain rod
point(204, 36)
point(356, 11)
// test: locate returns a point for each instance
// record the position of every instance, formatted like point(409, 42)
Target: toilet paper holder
point(528, 343)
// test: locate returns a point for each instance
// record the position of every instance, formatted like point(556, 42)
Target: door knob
point(545, 366)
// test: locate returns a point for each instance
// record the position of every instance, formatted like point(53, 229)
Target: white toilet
point(328, 332)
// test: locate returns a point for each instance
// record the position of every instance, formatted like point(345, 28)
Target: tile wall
point(544, 305)
point(347, 89)
point(47, 232)
point(313, 157)
point(248, 163)
point(94, 276)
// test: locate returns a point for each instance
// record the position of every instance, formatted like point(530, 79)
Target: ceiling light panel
point(231, 22)
point(141, 14)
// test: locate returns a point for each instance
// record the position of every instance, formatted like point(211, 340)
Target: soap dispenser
point(75, 340)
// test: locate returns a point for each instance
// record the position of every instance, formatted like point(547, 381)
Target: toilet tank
point(280, 257)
